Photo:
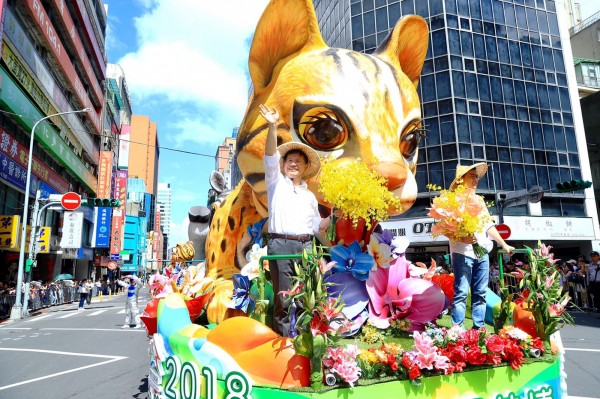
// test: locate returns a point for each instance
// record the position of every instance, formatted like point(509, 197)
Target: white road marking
point(111, 360)
point(14, 328)
point(582, 350)
point(96, 312)
point(73, 313)
point(37, 318)
point(122, 311)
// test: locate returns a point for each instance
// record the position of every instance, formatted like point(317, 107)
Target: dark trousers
point(281, 274)
point(594, 289)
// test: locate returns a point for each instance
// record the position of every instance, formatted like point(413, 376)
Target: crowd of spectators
point(580, 277)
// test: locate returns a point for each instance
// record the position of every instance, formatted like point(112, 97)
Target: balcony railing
point(584, 24)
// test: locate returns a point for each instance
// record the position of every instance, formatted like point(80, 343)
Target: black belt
point(301, 238)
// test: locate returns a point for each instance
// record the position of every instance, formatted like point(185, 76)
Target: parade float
point(368, 322)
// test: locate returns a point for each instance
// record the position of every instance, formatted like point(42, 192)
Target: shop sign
point(121, 190)
point(20, 153)
point(101, 235)
point(9, 231)
point(46, 190)
point(105, 174)
point(14, 99)
point(16, 175)
point(42, 241)
point(71, 230)
point(550, 228)
point(415, 230)
point(27, 52)
point(115, 234)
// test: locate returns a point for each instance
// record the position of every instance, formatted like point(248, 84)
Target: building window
point(465, 24)
point(468, 64)
point(474, 108)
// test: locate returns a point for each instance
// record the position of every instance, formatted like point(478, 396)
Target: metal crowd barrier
point(39, 298)
point(579, 294)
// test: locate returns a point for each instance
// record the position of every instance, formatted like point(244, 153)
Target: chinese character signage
point(115, 234)
point(105, 174)
point(9, 231)
point(42, 241)
point(71, 231)
point(15, 175)
point(101, 236)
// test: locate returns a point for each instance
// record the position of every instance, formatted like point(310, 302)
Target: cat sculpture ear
point(286, 27)
point(406, 46)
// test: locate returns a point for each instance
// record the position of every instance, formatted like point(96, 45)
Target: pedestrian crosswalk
point(90, 311)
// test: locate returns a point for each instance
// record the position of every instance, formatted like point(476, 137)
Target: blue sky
point(186, 67)
point(185, 63)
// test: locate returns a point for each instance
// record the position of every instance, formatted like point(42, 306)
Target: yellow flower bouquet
point(458, 214)
point(360, 193)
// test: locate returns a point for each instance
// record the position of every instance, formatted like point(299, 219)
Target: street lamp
point(17, 309)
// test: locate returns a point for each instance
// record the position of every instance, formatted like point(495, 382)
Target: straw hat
point(314, 162)
point(461, 170)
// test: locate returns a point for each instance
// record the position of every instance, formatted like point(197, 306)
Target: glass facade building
point(494, 88)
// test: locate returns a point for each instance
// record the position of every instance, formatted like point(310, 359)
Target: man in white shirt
point(293, 210)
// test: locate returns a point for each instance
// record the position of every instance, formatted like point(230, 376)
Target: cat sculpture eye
point(323, 129)
point(410, 139)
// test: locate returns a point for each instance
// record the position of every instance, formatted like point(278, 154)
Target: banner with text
point(101, 235)
point(105, 174)
point(71, 230)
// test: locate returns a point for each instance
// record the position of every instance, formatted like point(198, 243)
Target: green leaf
point(303, 345)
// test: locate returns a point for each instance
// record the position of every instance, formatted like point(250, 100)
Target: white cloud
point(179, 232)
point(193, 56)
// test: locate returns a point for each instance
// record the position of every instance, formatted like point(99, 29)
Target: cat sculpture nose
point(393, 172)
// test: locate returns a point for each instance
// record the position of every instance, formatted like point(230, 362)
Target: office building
point(498, 85)
point(53, 61)
point(163, 199)
point(224, 160)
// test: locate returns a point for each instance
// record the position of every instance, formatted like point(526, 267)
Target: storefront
point(568, 237)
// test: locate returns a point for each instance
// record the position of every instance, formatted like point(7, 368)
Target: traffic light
point(101, 202)
point(573, 185)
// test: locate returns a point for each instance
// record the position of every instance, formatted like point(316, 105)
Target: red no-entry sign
point(504, 231)
point(70, 201)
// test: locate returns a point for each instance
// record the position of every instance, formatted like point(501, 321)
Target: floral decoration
point(341, 361)
point(395, 295)
point(321, 321)
point(255, 232)
point(442, 350)
point(351, 259)
point(359, 192)
point(241, 298)
point(457, 214)
point(542, 293)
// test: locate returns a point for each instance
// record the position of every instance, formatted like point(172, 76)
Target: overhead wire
point(121, 139)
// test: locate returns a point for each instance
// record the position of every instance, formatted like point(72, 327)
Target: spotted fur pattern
point(342, 103)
